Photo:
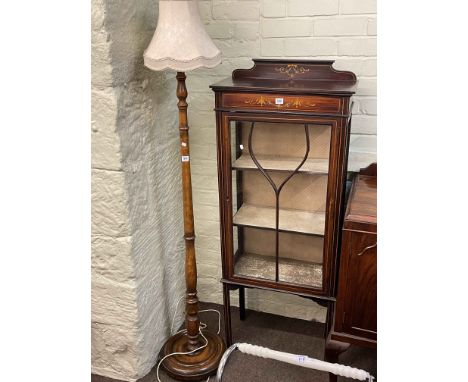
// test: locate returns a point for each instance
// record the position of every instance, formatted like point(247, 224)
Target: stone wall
point(137, 231)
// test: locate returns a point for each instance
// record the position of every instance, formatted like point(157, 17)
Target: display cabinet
point(283, 132)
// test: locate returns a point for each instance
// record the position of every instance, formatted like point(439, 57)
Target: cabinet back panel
point(287, 140)
point(302, 192)
point(291, 246)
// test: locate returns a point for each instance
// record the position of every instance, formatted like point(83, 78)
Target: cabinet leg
point(227, 315)
point(329, 321)
point(333, 349)
point(242, 303)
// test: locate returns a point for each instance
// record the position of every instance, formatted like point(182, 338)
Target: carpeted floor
point(278, 333)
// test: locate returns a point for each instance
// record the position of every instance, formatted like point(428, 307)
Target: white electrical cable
point(175, 313)
point(181, 353)
point(202, 326)
point(219, 317)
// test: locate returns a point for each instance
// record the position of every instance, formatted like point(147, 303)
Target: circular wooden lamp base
point(196, 366)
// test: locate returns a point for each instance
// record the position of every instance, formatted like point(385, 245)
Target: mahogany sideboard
point(354, 319)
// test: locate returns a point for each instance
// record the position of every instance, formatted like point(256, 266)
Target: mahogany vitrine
point(283, 131)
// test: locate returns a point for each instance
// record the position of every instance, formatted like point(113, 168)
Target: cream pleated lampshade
point(180, 41)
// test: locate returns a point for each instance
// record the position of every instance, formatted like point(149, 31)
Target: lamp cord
point(202, 326)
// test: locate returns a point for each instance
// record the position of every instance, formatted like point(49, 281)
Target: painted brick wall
point(343, 30)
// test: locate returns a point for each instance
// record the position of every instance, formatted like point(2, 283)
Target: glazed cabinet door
point(280, 178)
point(279, 186)
point(357, 297)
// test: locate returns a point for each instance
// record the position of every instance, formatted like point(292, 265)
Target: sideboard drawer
point(282, 102)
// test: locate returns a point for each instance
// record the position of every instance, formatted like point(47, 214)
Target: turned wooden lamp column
point(181, 43)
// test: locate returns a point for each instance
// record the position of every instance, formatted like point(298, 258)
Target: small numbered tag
point(184, 144)
point(279, 101)
point(301, 358)
point(241, 147)
point(185, 158)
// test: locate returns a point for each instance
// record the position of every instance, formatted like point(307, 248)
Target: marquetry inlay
point(292, 69)
point(262, 101)
point(282, 102)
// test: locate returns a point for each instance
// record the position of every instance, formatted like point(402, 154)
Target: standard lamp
point(181, 43)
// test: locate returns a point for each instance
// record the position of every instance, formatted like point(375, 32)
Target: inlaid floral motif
point(292, 69)
point(262, 101)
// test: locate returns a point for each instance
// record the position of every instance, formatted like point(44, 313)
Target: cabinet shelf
point(291, 271)
point(356, 161)
point(316, 165)
point(305, 222)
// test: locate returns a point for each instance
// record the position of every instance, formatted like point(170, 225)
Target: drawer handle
point(367, 248)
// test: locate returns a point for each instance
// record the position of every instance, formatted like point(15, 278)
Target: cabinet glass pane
point(279, 178)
